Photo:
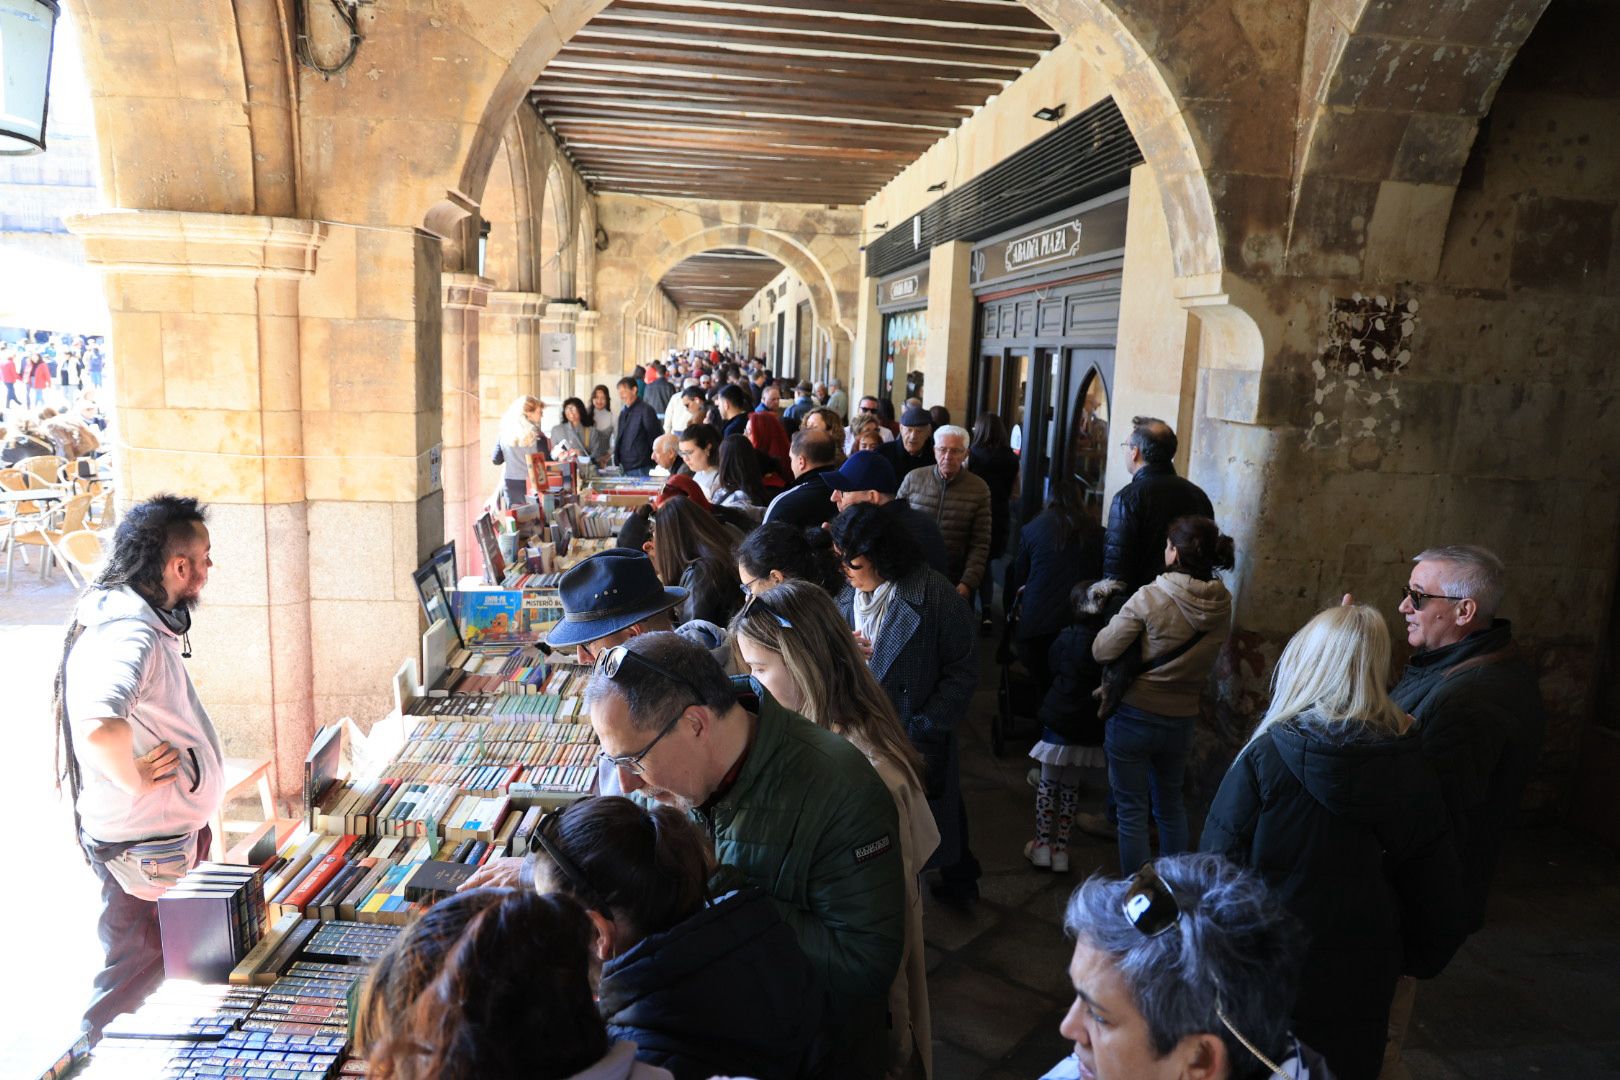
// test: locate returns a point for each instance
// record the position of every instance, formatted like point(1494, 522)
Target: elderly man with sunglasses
point(1479, 712)
point(1187, 969)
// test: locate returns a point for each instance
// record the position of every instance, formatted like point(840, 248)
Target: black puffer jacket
point(726, 993)
point(1350, 834)
point(1140, 518)
point(1482, 729)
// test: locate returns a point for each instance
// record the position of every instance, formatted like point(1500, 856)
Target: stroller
point(1017, 697)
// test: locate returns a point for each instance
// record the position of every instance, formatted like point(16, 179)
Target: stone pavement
point(1533, 992)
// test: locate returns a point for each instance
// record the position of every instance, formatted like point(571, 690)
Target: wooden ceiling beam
point(628, 32)
point(654, 134)
point(703, 60)
point(828, 21)
point(935, 96)
point(675, 186)
point(840, 132)
point(599, 165)
point(976, 12)
point(722, 104)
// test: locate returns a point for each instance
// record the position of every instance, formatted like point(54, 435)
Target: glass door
point(1085, 454)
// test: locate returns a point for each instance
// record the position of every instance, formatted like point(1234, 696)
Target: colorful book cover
point(489, 616)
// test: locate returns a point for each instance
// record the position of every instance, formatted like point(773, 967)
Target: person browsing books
point(139, 753)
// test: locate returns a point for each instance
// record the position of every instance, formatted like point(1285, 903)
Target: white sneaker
point(1060, 862)
point(1040, 855)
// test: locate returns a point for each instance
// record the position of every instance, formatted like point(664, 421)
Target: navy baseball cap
point(915, 417)
point(607, 592)
point(864, 471)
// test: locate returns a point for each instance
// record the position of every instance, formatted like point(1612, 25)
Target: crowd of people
point(52, 404)
point(785, 657)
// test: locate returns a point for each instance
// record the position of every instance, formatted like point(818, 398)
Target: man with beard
point(139, 751)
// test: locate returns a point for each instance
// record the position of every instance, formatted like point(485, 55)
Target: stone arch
point(693, 318)
point(653, 256)
point(556, 237)
point(1390, 103)
point(585, 252)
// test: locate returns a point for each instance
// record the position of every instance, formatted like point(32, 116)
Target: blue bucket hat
point(607, 592)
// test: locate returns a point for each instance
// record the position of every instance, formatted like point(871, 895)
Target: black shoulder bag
point(1123, 670)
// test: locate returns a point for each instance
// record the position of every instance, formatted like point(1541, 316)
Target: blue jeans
point(1147, 752)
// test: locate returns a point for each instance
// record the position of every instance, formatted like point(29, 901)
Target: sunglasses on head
point(1152, 908)
point(577, 881)
point(758, 599)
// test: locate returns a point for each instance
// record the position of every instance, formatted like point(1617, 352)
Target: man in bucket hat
point(614, 596)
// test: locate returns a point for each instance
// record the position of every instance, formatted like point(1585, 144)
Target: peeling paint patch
point(1366, 344)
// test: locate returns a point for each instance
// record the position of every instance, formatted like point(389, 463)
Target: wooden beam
point(676, 185)
point(605, 28)
point(602, 161)
point(703, 60)
point(825, 130)
point(937, 95)
point(827, 21)
point(751, 102)
point(649, 133)
point(976, 12)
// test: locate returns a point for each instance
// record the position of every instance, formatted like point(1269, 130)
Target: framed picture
point(435, 597)
point(444, 561)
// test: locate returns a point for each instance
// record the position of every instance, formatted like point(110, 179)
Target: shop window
point(1088, 438)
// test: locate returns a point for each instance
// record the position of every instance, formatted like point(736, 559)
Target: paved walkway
point(1534, 992)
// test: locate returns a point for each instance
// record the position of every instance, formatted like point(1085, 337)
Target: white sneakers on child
point(1042, 856)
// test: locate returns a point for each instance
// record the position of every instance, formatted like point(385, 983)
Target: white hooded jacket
point(127, 665)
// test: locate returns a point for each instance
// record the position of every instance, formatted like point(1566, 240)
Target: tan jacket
point(1164, 613)
point(961, 509)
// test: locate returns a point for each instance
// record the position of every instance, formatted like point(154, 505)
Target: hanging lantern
point(27, 31)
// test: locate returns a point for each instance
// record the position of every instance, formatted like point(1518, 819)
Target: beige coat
point(1164, 613)
point(911, 1029)
point(961, 509)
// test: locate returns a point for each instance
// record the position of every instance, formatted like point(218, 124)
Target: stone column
point(205, 327)
point(866, 361)
point(947, 356)
point(508, 367)
point(558, 383)
point(587, 332)
point(465, 298)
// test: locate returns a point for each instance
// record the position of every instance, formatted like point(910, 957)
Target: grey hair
point(1470, 572)
point(1234, 946)
point(953, 430)
point(652, 699)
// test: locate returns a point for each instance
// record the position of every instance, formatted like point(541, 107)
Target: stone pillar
point(587, 330)
point(205, 325)
point(948, 354)
point(465, 298)
point(559, 383)
point(866, 365)
point(508, 367)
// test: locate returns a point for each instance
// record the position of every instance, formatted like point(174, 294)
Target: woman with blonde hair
point(1333, 804)
point(518, 437)
point(797, 645)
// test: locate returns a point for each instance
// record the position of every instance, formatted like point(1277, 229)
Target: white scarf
point(871, 608)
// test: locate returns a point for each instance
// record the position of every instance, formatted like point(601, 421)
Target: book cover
point(490, 616)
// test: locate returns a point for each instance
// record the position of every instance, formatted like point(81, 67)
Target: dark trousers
point(133, 967)
point(11, 394)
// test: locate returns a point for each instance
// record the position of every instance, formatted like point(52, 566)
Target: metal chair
point(47, 467)
point(81, 551)
point(43, 536)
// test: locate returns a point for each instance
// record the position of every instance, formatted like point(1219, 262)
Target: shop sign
point(1080, 236)
point(906, 289)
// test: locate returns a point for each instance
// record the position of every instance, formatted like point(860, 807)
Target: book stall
point(265, 954)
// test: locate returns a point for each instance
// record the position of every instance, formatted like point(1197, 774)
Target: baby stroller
point(1017, 696)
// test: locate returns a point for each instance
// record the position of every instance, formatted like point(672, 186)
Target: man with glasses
point(1189, 968)
point(1479, 712)
point(958, 502)
point(797, 809)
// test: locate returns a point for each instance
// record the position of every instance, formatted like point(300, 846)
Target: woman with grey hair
point(1186, 969)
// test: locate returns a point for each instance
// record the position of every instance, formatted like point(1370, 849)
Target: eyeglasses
point(759, 599)
point(747, 588)
point(1151, 907)
point(609, 664)
point(1418, 597)
point(583, 889)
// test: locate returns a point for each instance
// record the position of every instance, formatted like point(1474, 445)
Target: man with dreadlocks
point(136, 746)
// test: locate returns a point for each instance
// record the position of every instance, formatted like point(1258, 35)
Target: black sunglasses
point(1417, 597)
point(581, 885)
point(1152, 908)
point(759, 598)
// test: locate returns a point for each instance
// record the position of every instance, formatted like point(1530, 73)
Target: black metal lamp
point(27, 34)
point(1051, 113)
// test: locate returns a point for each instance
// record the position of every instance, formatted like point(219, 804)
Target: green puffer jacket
point(811, 822)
